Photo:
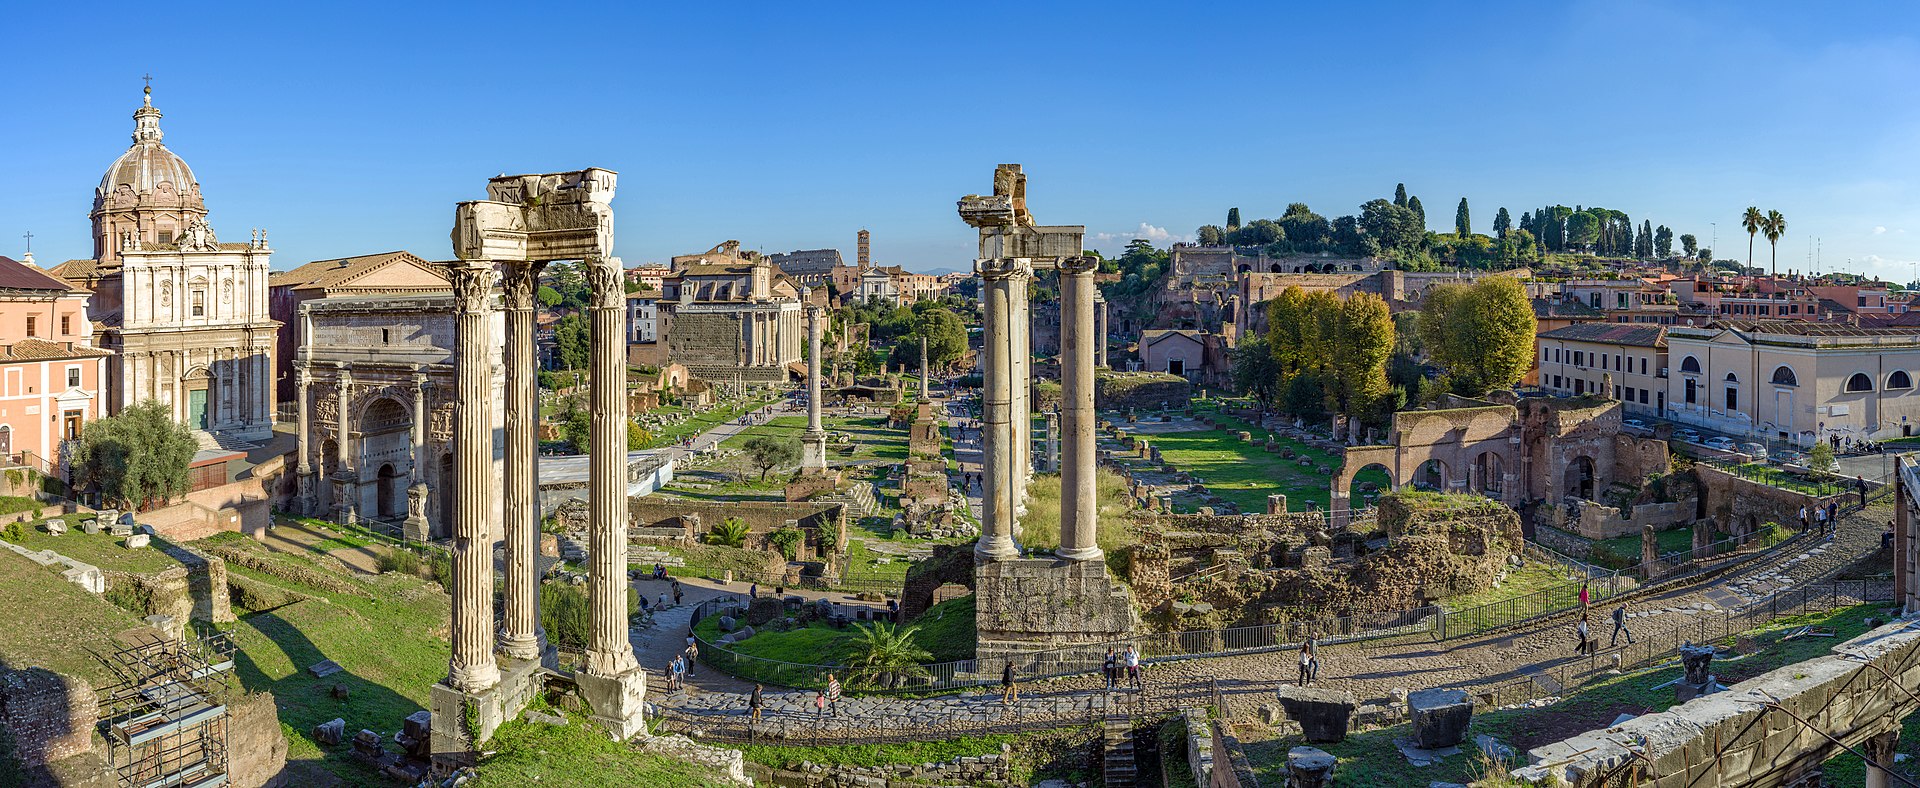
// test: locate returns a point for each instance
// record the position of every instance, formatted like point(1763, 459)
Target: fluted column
point(1078, 506)
point(814, 440)
point(1021, 341)
point(303, 469)
point(997, 460)
point(343, 475)
point(520, 620)
point(609, 650)
point(926, 378)
point(473, 668)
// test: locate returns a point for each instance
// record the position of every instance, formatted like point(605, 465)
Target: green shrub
point(400, 560)
point(731, 532)
point(441, 562)
point(130, 596)
point(563, 613)
point(787, 540)
point(13, 533)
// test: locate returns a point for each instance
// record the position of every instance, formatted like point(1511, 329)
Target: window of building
point(1733, 398)
point(1690, 390)
point(1643, 396)
point(1783, 376)
point(1899, 380)
point(1579, 358)
point(33, 326)
point(1689, 365)
point(166, 236)
point(1622, 300)
point(1863, 301)
point(199, 303)
point(71, 426)
point(1579, 386)
point(386, 336)
point(66, 324)
point(1859, 382)
point(1643, 365)
point(73, 377)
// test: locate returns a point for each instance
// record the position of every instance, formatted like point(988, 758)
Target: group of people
point(1585, 644)
point(1822, 520)
point(1122, 664)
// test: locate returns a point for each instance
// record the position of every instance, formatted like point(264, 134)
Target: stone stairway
point(214, 441)
point(1120, 768)
point(646, 556)
point(858, 499)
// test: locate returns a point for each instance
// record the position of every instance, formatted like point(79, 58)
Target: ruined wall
point(256, 744)
point(1139, 390)
point(1740, 506)
point(1737, 738)
point(951, 563)
point(50, 716)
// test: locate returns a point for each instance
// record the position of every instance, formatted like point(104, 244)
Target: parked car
point(1690, 436)
point(1718, 442)
point(1758, 451)
point(1635, 423)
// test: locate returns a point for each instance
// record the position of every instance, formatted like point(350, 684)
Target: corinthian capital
point(520, 280)
point(604, 288)
point(473, 283)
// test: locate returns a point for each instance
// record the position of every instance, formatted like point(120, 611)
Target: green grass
point(946, 630)
point(702, 422)
point(1244, 472)
point(391, 646)
point(1533, 578)
point(860, 564)
point(102, 550)
point(11, 504)
point(1041, 527)
point(48, 619)
point(1774, 477)
point(1626, 549)
point(579, 754)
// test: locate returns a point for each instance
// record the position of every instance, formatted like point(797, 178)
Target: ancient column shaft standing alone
point(997, 455)
point(473, 668)
point(814, 440)
point(1078, 502)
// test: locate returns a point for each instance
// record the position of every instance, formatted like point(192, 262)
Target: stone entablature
point(390, 360)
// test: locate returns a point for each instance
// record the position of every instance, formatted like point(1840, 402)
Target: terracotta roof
point(81, 269)
point(1566, 307)
point(1634, 334)
point(1155, 336)
point(39, 349)
point(16, 275)
point(328, 273)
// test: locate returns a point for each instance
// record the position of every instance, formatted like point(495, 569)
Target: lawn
point(946, 630)
point(1531, 578)
point(1615, 551)
point(1041, 527)
point(872, 439)
point(51, 622)
point(701, 422)
point(1245, 473)
point(861, 566)
point(1774, 477)
point(579, 755)
point(103, 550)
point(392, 646)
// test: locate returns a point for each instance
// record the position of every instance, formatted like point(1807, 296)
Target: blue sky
point(353, 129)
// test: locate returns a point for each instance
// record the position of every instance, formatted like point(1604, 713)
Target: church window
point(199, 303)
point(165, 236)
point(66, 324)
point(73, 377)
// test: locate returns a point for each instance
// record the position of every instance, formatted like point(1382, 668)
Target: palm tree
point(1774, 227)
point(883, 652)
point(731, 532)
point(1753, 222)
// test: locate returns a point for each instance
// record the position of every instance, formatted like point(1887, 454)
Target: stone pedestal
point(1031, 604)
point(1440, 717)
point(417, 528)
point(1322, 714)
point(1308, 767)
point(618, 702)
point(1698, 662)
point(458, 717)
point(1276, 504)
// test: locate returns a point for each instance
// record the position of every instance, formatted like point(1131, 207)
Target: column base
point(1002, 549)
point(523, 648)
point(462, 722)
point(1081, 553)
point(618, 702)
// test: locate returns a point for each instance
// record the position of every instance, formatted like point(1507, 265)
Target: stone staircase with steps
point(1119, 767)
point(644, 555)
point(858, 499)
point(214, 441)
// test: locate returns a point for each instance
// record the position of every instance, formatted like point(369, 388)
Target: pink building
point(50, 372)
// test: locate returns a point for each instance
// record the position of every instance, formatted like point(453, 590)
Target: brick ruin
point(1195, 571)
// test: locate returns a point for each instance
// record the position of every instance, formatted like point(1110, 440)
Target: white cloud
point(1879, 230)
point(1160, 236)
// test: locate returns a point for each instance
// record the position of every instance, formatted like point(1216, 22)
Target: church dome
point(148, 167)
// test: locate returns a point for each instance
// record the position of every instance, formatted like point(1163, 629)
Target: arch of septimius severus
point(503, 242)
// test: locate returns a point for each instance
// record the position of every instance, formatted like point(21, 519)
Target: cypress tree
point(1233, 218)
point(1400, 194)
point(1462, 224)
point(1419, 213)
point(1502, 222)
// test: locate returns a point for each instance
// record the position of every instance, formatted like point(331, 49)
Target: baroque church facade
point(186, 316)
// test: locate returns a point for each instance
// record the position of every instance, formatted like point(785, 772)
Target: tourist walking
point(1133, 667)
point(1833, 517)
point(676, 592)
point(753, 705)
point(1820, 521)
point(1620, 626)
point(1110, 667)
point(1009, 691)
point(693, 655)
point(1585, 599)
point(819, 705)
point(753, 591)
point(1580, 633)
point(1860, 483)
point(833, 694)
point(1803, 519)
point(1306, 662)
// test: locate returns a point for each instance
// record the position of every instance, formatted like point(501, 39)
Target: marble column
point(1100, 331)
point(998, 278)
point(1078, 503)
point(343, 482)
point(813, 442)
point(1021, 341)
point(303, 469)
point(520, 634)
point(472, 667)
point(609, 649)
point(416, 527)
point(1880, 751)
point(1052, 461)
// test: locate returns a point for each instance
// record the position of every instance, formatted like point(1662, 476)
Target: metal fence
point(1707, 627)
point(770, 582)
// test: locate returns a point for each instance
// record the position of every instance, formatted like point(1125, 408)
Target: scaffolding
point(165, 714)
